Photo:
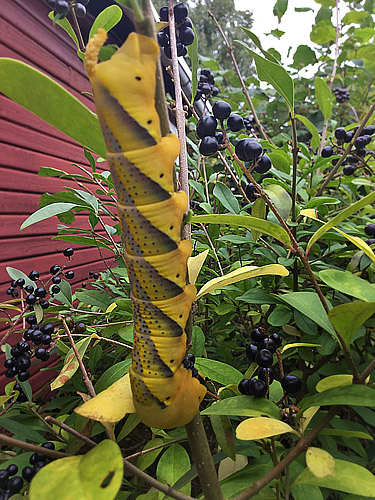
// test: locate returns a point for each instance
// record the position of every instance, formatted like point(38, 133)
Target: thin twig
point(237, 70)
point(97, 337)
point(144, 452)
point(85, 376)
point(66, 428)
point(31, 447)
point(213, 249)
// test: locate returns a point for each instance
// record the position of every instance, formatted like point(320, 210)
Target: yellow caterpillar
point(166, 388)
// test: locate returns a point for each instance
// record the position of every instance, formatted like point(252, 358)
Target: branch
point(85, 376)
point(31, 447)
point(237, 70)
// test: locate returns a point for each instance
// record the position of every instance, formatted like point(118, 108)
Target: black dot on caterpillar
point(138, 78)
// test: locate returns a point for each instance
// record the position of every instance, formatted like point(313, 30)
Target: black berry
point(251, 352)
point(206, 126)
point(243, 387)
point(31, 320)
point(68, 252)
point(262, 374)
point(36, 337)
point(12, 469)
point(258, 387)
point(44, 304)
point(256, 335)
point(55, 289)
point(263, 165)
point(208, 146)
point(54, 269)
point(291, 384)
point(40, 292)
point(15, 484)
point(20, 282)
point(187, 36)
point(34, 275)
point(264, 358)
point(80, 328)
point(27, 473)
point(221, 110)
point(251, 191)
point(23, 376)
point(348, 170)
point(69, 275)
point(48, 328)
point(62, 7)
point(163, 14)
point(276, 338)
point(30, 299)
point(235, 122)
point(23, 346)
point(48, 445)
point(181, 11)
point(340, 133)
point(327, 151)
point(80, 10)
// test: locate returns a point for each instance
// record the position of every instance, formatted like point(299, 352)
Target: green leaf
point(198, 341)
point(258, 296)
point(322, 33)
point(258, 210)
point(173, 464)
point(346, 282)
point(114, 373)
point(52, 103)
point(347, 318)
point(308, 303)
point(303, 56)
point(241, 274)
point(15, 274)
point(144, 461)
point(21, 431)
point(51, 172)
point(94, 476)
point(347, 477)
point(193, 54)
point(65, 294)
point(247, 221)
point(280, 198)
point(94, 298)
point(281, 161)
point(226, 197)
point(351, 395)
point(280, 8)
point(107, 19)
point(243, 406)
point(315, 139)
point(84, 240)
point(217, 371)
point(280, 316)
point(256, 42)
point(275, 75)
point(323, 97)
point(224, 434)
point(66, 26)
point(47, 212)
point(344, 214)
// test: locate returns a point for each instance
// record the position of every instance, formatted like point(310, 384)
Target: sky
point(297, 25)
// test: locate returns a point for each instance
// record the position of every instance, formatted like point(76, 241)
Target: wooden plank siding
point(26, 144)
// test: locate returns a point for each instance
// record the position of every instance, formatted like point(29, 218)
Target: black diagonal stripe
point(116, 110)
point(149, 319)
point(133, 186)
point(148, 363)
point(147, 283)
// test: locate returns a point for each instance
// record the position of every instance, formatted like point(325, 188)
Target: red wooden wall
point(27, 144)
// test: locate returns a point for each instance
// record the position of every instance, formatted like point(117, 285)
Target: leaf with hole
point(94, 476)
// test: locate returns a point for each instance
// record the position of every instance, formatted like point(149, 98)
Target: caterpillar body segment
point(166, 391)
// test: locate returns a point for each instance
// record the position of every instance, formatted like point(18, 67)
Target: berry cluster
point(360, 151)
point(64, 7)
point(38, 294)
point(207, 125)
point(261, 351)
point(206, 85)
point(249, 123)
point(10, 484)
point(184, 30)
point(342, 95)
point(19, 362)
point(249, 149)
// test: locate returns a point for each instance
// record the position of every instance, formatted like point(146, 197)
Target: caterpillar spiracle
point(166, 388)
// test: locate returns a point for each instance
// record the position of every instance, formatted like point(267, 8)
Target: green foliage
point(323, 335)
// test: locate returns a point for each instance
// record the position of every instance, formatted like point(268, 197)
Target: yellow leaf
point(4, 399)
point(242, 274)
point(160, 25)
point(70, 364)
point(110, 405)
point(334, 381)
point(262, 427)
point(310, 212)
point(111, 307)
point(320, 462)
point(306, 417)
point(298, 344)
point(195, 265)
